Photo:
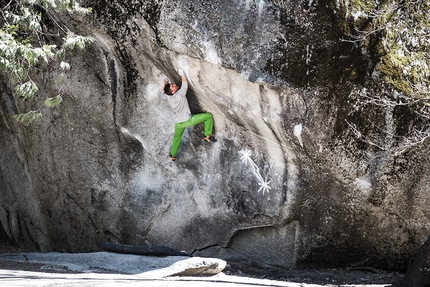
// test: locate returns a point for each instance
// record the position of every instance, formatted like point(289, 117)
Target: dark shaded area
point(316, 55)
point(322, 276)
point(3, 235)
point(418, 274)
point(154, 250)
point(132, 154)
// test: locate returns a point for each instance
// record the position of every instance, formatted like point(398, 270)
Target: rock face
point(308, 169)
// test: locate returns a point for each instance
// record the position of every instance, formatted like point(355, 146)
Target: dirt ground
point(329, 276)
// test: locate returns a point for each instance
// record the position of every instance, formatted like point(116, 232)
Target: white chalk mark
point(246, 158)
point(211, 52)
point(265, 186)
point(298, 133)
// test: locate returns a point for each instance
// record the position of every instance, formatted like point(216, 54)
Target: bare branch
point(418, 139)
point(360, 136)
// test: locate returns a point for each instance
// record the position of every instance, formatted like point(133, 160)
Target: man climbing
point(182, 114)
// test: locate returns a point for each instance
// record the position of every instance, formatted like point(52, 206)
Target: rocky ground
point(305, 277)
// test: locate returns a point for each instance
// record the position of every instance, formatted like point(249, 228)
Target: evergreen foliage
point(23, 44)
point(53, 102)
point(27, 118)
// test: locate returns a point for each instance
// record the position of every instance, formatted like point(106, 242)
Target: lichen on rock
point(402, 28)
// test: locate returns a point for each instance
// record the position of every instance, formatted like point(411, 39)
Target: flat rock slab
point(106, 262)
point(18, 278)
point(120, 270)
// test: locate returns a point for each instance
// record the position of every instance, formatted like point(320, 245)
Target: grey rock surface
point(305, 170)
point(102, 269)
point(144, 266)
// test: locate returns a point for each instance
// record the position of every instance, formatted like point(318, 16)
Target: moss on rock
point(403, 28)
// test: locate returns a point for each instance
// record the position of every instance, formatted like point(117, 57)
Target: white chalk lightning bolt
point(246, 157)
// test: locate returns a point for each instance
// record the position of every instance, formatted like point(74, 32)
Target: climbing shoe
point(173, 158)
point(210, 139)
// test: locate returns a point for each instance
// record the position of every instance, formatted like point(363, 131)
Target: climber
point(182, 115)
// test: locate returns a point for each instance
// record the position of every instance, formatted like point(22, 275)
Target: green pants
point(196, 119)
